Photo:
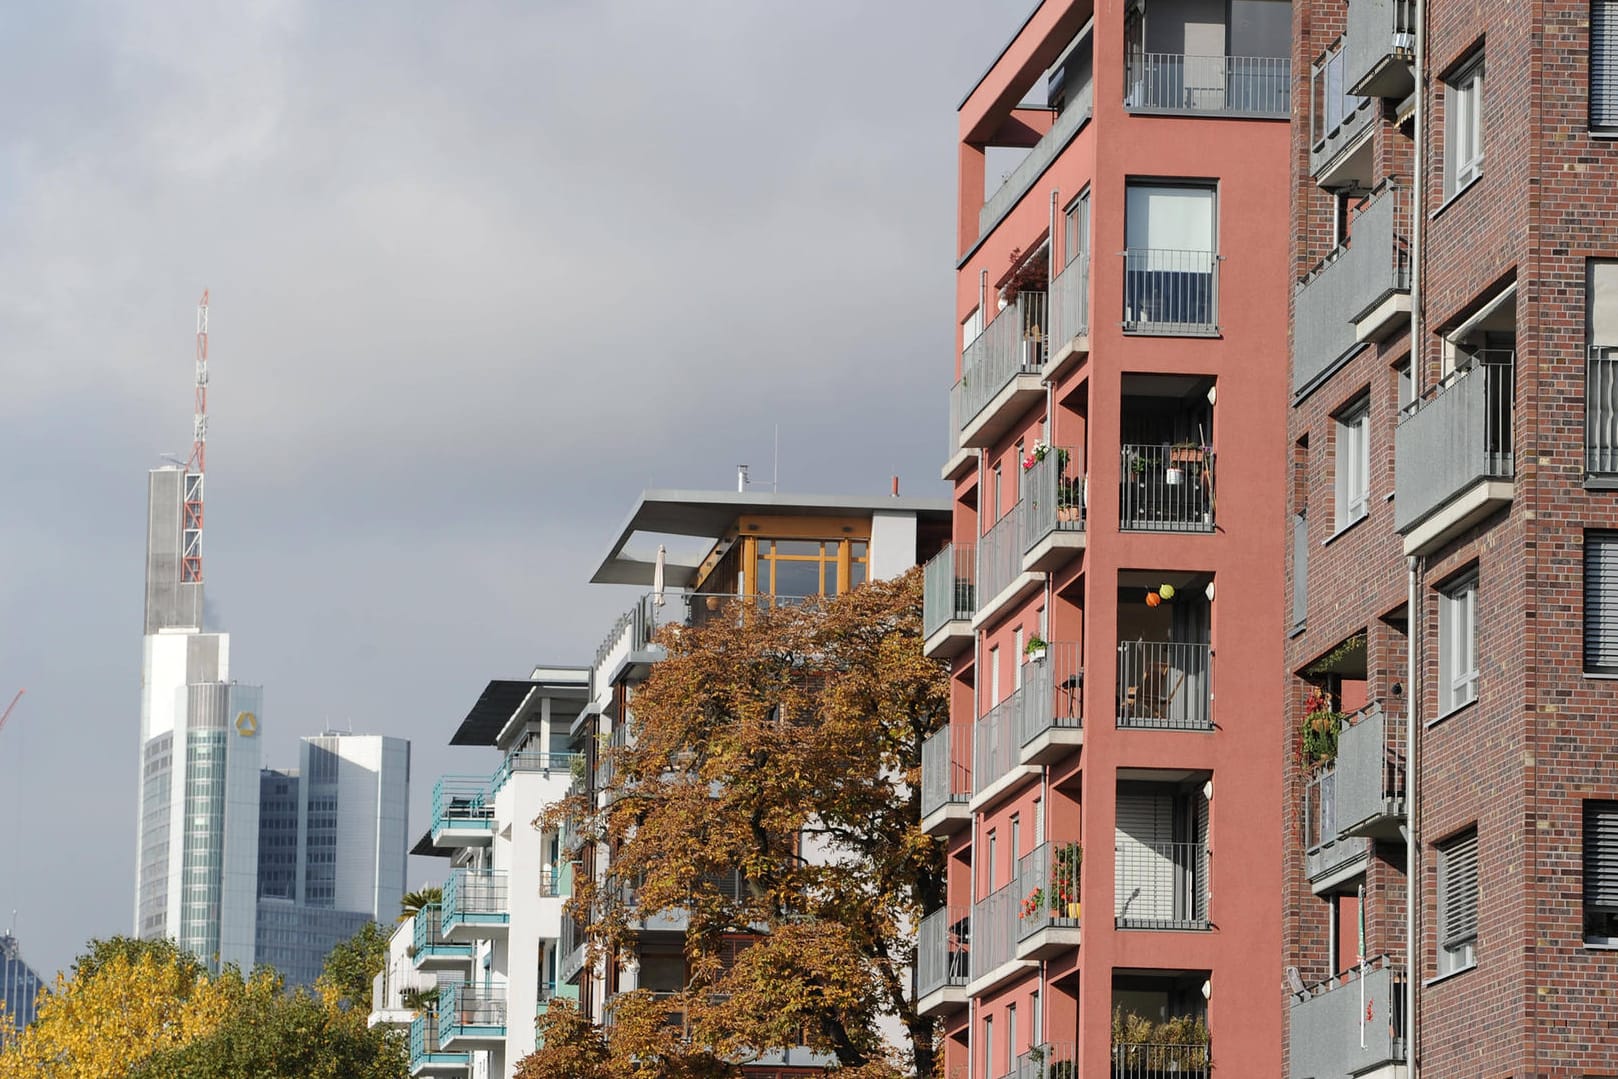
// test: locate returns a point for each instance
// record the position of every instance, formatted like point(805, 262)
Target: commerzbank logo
point(246, 724)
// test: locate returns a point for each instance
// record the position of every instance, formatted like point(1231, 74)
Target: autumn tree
point(770, 789)
point(351, 966)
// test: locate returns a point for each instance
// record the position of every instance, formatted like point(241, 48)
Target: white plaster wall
point(893, 544)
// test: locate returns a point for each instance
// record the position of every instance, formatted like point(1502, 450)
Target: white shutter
point(1601, 856)
point(1143, 877)
point(1601, 602)
point(1603, 63)
point(1458, 891)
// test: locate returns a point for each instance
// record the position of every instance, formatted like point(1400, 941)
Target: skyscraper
point(19, 986)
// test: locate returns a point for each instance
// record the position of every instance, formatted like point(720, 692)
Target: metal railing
point(1370, 767)
point(1170, 291)
point(1165, 685)
point(462, 802)
point(947, 590)
point(1070, 302)
point(995, 743)
point(533, 760)
point(1165, 488)
point(553, 880)
point(1013, 344)
point(946, 768)
point(427, 936)
point(1228, 85)
point(1371, 264)
point(1049, 879)
point(1000, 552)
point(1455, 434)
point(1320, 808)
point(1352, 1023)
point(1153, 1060)
point(571, 949)
point(994, 928)
point(1052, 692)
point(1052, 1060)
point(1336, 117)
point(476, 895)
point(471, 1010)
point(1162, 885)
point(1053, 494)
point(943, 949)
point(424, 1044)
point(1601, 410)
point(1017, 182)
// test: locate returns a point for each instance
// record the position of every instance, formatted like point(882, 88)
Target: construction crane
point(7, 713)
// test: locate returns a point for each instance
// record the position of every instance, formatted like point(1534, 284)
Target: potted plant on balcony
point(1065, 873)
point(1034, 651)
point(1036, 453)
point(1146, 1046)
point(1069, 500)
point(1318, 731)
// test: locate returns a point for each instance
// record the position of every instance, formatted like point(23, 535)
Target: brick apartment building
point(1116, 452)
point(1453, 580)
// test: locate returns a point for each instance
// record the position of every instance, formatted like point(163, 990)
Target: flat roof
point(503, 697)
point(709, 514)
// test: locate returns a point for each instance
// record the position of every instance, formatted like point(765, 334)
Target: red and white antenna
point(191, 546)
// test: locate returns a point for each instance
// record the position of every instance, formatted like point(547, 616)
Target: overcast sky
point(481, 273)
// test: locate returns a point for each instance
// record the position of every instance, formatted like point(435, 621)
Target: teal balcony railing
point(462, 803)
point(424, 1050)
point(475, 897)
point(529, 760)
point(427, 938)
point(467, 1011)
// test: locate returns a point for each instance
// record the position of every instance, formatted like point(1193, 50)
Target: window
point(1011, 1036)
point(991, 860)
point(1353, 463)
point(1036, 1033)
point(1458, 903)
point(972, 327)
point(1601, 872)
point(1169, 230)
point(1457, 645)
point(1604, 65)
point(1077, 219)
point(994, 676)
point(988, 1045)
point(1601, 602)
point(1016, 837)
point(1463, 126)
point(1601, 377)
point(808, 567)
point(1019, 657)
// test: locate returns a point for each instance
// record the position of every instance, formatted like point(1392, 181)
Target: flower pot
point(1173, 476)
point(1035, 655)
point(1074, 910)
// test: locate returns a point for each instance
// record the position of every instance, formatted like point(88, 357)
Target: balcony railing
point(1370, 772)
point(1157, 1060)
point(1165, 488)
point(462, 803)
point(943, 950)
point(1351, 1024)
point(1336, 116)
point(1222, 85)
point(1016, 184)
point(1000, 552)
point(1371, 265)
point(476, 897)
point(1380, 45)
point(1053, 495)
point(1013, 344)
point(1049, 879)
point(1070, 303)
point(946, 769)
point(1052, 1060)
point(424, 1048)
point(471, 1011)
point(947, 590)
point(994, 929)
point(571, 949)
point(1171, 292)
point(1327, 851)
point(1166, 685)
point(1161, 885)
point(1457, 435)
point(995, 744)
point(427, 937)
point(1052, 695)
point(1601, 412)
point(533, 760)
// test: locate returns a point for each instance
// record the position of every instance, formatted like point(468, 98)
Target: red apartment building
point(1453, 581)
point(1111, 605)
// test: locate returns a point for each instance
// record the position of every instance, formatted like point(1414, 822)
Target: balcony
point(1161, 885)
point(1173, 83)
point(1053, 502)
point(463, 812)
point(995, 932)
point(731, 886)
point(1330, 856)
point(429, 949)
point(1339, 124)
point(1165, 685)
point(471, 1016)
point(1064, 127)
point(388, 990)
point(1453, 459)
point(1050, 705)
point(1357, 293)
point(1002, 580)
point(996, 766)
point(571, 950)
point(1380, 48)
point(946, 780)
point(1160, 1060)
point(948, 601)
point(1052, 1060)
point(1370, 783)
point(1171, 292)
point(1049, 915)
point(1070, 317)
point(477, 905)
point(426, 1058)
point(943, 963)
point(1166, 488)
point(530, 761)
point(1350, 1025)
point(1000, 372)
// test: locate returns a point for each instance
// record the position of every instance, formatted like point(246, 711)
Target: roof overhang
point(508, 700)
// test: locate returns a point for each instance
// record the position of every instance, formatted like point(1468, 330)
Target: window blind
point(1603, 63)
point(1601, 855)
point(1601, 602)
point(1458, 890)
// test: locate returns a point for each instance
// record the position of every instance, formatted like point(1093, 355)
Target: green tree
point(766, 734)
point(353, 964)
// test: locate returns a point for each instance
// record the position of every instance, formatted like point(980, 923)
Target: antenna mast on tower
point(191, 547)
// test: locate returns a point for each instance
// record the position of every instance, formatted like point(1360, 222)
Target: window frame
point(1604, 815)
point(1351, 445)
point(1457, 602)
point(1600, 658)
point(1457, 945)
point(1603, 105)
point(1463, 125)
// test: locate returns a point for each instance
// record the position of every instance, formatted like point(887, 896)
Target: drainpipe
point(1413, 689)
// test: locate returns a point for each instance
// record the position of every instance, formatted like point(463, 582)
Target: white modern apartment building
point(484, 960)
